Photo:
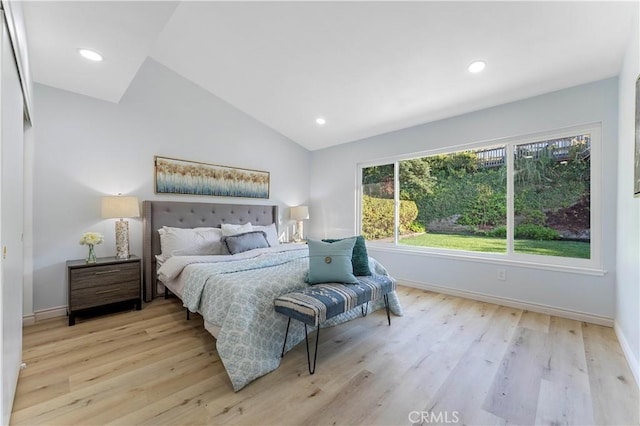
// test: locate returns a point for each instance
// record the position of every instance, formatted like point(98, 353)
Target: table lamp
point(299, 213)
point(121, 207)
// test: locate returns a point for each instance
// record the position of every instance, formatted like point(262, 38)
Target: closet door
point(11, 222)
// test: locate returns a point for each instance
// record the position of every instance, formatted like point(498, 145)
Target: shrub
point(498, 232)
point(408, 214)
point(417, 227)
point(526, 232)
point(378, 217)
point(535, 232)
point(533, 217)
point(479, 198)
point(487, 208)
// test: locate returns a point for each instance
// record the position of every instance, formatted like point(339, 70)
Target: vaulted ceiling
point(366, 67)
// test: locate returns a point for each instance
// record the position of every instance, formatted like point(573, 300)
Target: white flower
point(91, 238)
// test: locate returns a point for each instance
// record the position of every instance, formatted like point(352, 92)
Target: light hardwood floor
point(447, 359)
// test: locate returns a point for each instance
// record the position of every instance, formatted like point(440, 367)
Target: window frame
point(591, 266)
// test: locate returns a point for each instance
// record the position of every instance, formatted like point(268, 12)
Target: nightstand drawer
point(103, 275)
point(98, 295)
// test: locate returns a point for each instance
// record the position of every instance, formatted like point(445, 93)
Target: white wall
point(627, 315)
point(333, 197)
point(86, 148)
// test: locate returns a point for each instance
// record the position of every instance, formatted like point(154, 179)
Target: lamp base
point(122, 239)
point(299, 235)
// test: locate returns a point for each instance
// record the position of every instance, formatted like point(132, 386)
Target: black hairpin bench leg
point(386, 305)
point(364, 309)
point(284, 345)
point(306, 338)
point(315, 354)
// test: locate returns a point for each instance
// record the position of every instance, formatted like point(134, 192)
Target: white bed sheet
point(175, 286)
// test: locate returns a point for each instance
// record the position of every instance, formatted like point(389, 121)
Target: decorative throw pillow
point(233, 229)
point(331, 262)
point(272, 233)
point(360, 258)
point(240, 243)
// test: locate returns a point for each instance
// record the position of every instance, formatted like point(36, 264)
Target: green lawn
point(497, 245)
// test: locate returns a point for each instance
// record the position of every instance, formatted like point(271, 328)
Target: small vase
point(91, 258)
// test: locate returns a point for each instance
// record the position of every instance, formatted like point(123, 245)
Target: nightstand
point(109, 280)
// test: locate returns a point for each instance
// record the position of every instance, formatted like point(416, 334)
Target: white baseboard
point(513, 303)
point(634, 365)
point(60, 311)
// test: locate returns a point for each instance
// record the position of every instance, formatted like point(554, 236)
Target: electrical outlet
point(502, 274)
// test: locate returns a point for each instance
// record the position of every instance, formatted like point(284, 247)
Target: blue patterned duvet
point(238, 297)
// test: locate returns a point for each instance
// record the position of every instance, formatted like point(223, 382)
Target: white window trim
point(592, 266)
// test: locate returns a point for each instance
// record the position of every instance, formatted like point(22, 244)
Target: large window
point(525, 198)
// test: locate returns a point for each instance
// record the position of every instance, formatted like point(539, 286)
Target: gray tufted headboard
point(157, 214)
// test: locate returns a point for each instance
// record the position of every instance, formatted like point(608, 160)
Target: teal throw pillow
point(360, 257)
point(331, 262)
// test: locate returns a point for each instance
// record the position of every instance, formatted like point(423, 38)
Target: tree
point(455, 164)
point(377, 181)
point(415, 179)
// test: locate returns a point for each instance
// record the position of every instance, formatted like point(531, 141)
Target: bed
point(234, 293)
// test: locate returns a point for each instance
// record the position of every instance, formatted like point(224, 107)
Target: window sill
point(487, 258)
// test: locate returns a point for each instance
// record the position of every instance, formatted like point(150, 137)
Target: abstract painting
point(175, 176)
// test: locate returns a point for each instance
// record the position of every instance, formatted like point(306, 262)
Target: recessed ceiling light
point(320, 121)
point(477, 66)
point(90, 55)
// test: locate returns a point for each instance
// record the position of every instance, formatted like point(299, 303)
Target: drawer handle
point(107, 272)
point(107, 291)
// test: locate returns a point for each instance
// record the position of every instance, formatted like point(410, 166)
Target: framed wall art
point(173, 176)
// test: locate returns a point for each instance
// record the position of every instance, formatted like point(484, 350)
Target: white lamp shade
point(300, 213)
point(120, 207)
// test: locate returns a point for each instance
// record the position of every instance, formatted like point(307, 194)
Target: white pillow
point(272, 233)
point(229, 229)
point(190, 241)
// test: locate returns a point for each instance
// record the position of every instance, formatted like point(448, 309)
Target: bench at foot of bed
point(318, 303)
